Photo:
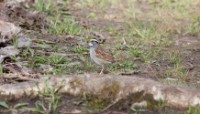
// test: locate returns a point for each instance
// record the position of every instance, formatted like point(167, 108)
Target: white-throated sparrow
point(98, 54)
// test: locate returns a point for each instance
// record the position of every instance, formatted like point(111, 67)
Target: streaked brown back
point(102, 54)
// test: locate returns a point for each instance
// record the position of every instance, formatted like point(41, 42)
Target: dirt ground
point(58, 49)
point(186, 45)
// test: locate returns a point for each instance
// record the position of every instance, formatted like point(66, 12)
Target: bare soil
point(35, 23)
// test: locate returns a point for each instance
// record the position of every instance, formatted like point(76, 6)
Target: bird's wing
point(102, 54)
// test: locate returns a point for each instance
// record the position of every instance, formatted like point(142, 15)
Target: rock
point(15, 2)
point(142, 104)
point(24, 41)
point(60, 3)
point(7, 31)
point(8, 51)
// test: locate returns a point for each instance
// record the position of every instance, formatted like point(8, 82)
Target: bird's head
point(93, 42)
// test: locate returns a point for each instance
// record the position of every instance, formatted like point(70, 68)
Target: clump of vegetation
point(110, 91)
point(124, 66)
point(49, 101)
point(44, 5)
point(66, 26)
point(13, 109)
point(92, 104)
point(193, 110)
point(79, 49)
point(194, 27)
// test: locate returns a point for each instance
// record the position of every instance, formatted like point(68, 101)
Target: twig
point(61, 54)
point(110, 105)
point(46, 41)
point(18, 76)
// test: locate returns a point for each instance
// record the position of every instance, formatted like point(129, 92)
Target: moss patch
point(110, 90)
point(76, 83)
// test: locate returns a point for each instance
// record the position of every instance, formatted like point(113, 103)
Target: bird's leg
point(101, 69)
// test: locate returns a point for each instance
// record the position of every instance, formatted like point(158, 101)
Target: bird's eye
point(96, 42)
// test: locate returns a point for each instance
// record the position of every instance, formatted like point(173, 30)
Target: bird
point(99, 55)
